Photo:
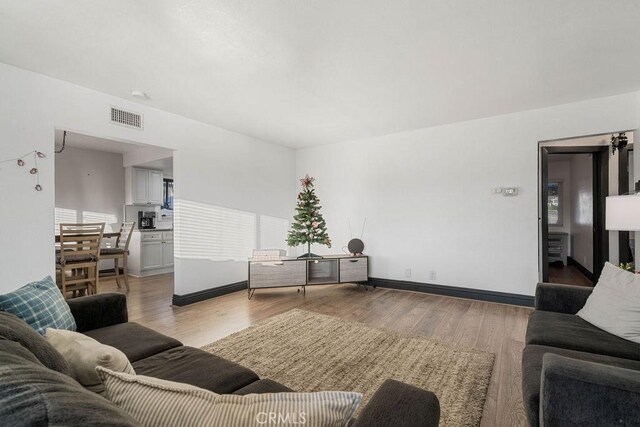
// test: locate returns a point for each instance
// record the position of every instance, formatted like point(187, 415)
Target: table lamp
point(623, 213)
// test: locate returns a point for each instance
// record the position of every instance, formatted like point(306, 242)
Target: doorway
point(116, 183)
point(574, 184)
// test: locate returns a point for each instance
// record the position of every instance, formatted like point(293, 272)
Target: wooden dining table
point(104, 236)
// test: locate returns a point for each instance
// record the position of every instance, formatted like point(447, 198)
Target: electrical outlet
point(407, 273)
point(432, 275)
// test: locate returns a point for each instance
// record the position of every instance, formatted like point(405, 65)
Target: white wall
point(241, 177)
point(91, 183)
point(581, 192)
point(426, 193)
point(144, 155)
point(32, 106)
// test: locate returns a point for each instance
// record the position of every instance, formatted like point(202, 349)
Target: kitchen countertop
point(154, 229)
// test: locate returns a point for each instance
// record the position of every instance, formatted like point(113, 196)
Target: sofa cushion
point(31, 394)
point(614, 305)
point(160, 403)
point(15, 329)
point(196, 367)
point(573, 333)
point(134, 340)
point(263, 386)
point(532, 370)
point(83, 354)
point(41, 305)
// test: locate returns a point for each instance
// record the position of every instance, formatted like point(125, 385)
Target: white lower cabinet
point(150, 253)
point(167, 254)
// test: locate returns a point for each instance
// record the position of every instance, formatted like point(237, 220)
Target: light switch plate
point(510, 191)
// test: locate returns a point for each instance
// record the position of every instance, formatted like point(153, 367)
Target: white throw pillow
point(83, 354)
point(614, 304)
point(160, 403)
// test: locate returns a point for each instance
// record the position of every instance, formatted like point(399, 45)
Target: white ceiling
point(302, 73)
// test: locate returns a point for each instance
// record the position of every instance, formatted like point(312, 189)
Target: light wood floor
point(496, 328)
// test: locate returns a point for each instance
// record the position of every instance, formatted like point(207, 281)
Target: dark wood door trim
point(600, 188)
point(623, 188)
point(600, 193)
point(543, 221)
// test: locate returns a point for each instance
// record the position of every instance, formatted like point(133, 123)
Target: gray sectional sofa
point(573, 373)
point(35, 388)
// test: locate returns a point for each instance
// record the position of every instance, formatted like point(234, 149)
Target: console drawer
point(354, 270)
point(271, 274)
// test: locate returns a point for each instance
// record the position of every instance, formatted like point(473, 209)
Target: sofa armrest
point(579, 393)
point(561, 298)
point(98, 311)
point(400, 405)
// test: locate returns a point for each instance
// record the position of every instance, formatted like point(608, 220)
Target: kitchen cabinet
point(143, 186)
point(167, 248)
point(155, 187)
point(151, 255)
point(151, 252)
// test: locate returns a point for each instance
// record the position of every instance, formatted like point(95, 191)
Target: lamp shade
point(623, 213)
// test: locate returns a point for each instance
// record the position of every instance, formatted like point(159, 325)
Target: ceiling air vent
point(126, 118)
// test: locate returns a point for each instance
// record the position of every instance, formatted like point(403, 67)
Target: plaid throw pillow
point(41, 305)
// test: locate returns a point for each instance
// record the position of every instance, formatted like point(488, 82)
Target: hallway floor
point(569, 275)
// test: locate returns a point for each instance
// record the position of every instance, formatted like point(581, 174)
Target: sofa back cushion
point(15, 329)
point(31, 394)
point(41, 305)
point(614, 304)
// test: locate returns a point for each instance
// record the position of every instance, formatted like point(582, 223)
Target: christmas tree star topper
point(307, 181)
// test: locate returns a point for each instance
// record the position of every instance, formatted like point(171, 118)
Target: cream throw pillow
point(83, 354)
point(159, 403)
point(614, 304)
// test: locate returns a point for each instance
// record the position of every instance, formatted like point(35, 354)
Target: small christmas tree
point(309, 225)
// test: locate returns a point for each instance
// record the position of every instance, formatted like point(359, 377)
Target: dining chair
point(120, 252)
point(77, 259)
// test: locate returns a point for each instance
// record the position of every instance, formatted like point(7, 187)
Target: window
point(554, 202)
point(167, 194)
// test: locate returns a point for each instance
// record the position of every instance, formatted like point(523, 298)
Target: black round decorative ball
point(355, 246)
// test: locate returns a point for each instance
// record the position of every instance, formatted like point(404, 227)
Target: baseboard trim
point(453, 291)
point(589, 275)
point(182, 300)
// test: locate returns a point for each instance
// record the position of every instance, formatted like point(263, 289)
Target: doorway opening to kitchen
point(128, 187)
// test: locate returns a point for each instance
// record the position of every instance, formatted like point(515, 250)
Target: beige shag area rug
point(308, 351)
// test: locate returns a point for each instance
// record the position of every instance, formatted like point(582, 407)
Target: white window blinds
point(205, 231)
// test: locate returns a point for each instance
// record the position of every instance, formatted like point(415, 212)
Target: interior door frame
point(623, 188)
point(600, 188)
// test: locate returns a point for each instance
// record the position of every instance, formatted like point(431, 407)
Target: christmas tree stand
point(309, 255)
